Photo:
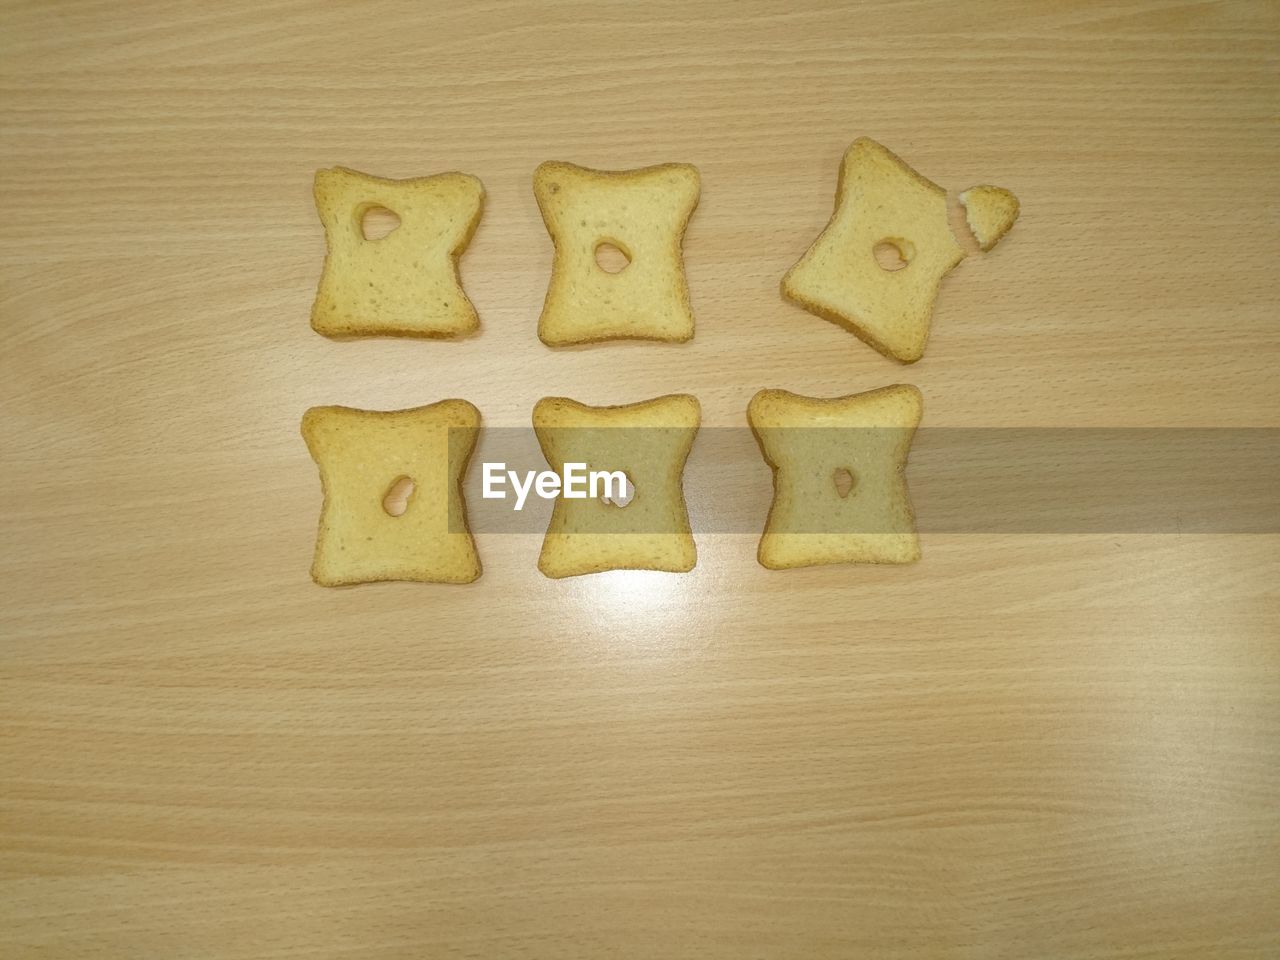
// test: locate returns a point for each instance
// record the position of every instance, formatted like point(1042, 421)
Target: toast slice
point(879, 200)
point(643, 214)
point(367, 458)
point(839, 484)
point(405, 284)
point(648, 442)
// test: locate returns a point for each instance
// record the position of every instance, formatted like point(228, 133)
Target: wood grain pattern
point(1025, 746)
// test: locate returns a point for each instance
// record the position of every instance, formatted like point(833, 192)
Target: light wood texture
point(1024, 746)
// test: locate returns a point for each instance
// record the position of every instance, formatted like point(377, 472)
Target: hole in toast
point(378, 222)
point(893, 253)
point(620, 498)
point(611, 257)
point(396, 500)
point(844, 480)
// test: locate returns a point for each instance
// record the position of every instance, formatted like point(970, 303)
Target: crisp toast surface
point(362, 455)
point(405, 284)
point(642, 213)
point(809, 442)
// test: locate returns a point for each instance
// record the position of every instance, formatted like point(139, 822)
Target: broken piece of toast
point(990, 213)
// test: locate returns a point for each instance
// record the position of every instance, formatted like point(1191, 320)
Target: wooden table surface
point(1025, 746)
